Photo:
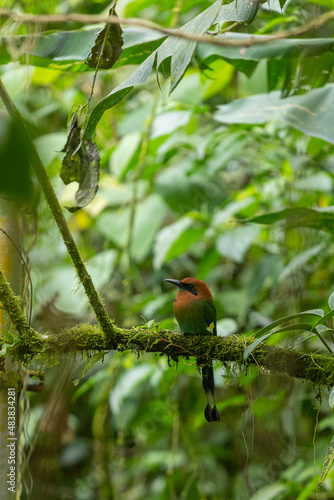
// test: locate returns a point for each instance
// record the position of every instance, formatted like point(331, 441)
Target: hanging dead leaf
point(81, 164)
point(108, 46)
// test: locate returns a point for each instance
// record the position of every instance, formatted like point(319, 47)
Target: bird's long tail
point(211, 414)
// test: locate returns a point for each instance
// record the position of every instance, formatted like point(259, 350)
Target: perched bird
point(195, 312)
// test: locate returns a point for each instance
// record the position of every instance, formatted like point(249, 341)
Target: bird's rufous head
point(194, 286)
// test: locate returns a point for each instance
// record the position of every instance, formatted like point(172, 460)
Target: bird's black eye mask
point(190, 288)
point(183, 286)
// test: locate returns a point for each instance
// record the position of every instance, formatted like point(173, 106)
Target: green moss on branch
point(318, 368)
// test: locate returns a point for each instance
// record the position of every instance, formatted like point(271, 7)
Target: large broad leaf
point(182, 50)
point(280, 54)
point(275, 49)
point(299, 217)
point(242, 11)
point(311, 113)
point(68, 50)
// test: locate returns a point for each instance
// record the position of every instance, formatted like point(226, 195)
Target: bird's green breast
point(195, 316)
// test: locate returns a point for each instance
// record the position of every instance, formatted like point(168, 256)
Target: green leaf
point(331, 399)
point(300, 260)
point(317, 328)
point(324, 318)
point(51, 282)
point(186, 190)
point(207, 263)
point(129, 383)
point(236, 242)
point(69, 49)
point(271, 492)
point(276, 71)
point(49, 146)
point(301, 338)
point(166, 123)
point(297, 326)
point(126, 150)
point(311, 312)
point(184, 241)
point(272, 50)
point(311, 113)
point(239, 10)
point(237, 400)
point(298, 217)
point(329, 458)
point(63, 48)
point(114, 225)
point(138, 77)
point(168, 237)
point(320, 181)
point(182, 50)
point(229, 210)
point(88, 384)
point(108, 46)
point(5, 348)
point(325, 3)
point(308, 78)
point(331, 301)
point(227, 149)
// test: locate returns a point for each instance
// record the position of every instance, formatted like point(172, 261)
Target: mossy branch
point(318, 368)
point(52, 200)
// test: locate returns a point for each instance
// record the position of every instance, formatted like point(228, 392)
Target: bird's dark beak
point(175, 282)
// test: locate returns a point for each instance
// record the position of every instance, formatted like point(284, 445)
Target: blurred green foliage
point(181, 176)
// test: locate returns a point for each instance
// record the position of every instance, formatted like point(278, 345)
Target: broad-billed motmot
point(195, 312)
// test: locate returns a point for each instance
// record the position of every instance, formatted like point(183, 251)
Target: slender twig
point(97, 68)
point(52, 200)
point(179, 33)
